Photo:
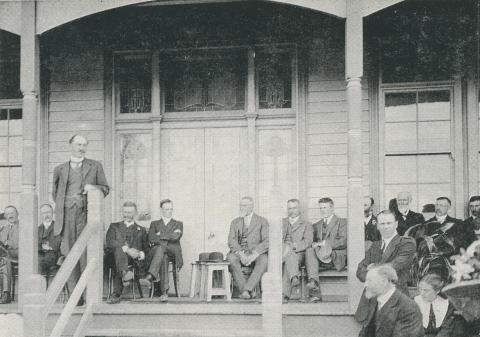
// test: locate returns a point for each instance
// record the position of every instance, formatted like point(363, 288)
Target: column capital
point(30, 94)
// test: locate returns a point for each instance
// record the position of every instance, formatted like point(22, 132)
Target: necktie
point(432, 324)
point(384, 245)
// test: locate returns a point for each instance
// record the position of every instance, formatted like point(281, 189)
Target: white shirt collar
point(382, 299)
point(47, 224)
point(166, 220)
point(440, 308)
point(76, 160)
point(441, 219)
point(293, 220)
point(405, 213)
point(328, 219)
point(367, 219)
point(129, 223)
point(247, 219)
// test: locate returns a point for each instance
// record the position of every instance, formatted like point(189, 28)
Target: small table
point(206, 269)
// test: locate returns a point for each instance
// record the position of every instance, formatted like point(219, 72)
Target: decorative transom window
point(274, 71)
point(11, 141)
point(204, 81)
point(133, 74)
point(418, 145)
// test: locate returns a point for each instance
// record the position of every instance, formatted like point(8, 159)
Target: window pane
point(275, 80)
point(434, 136)
point(434, 169)
point(400, 137)
point(136, 172)
point(3, 150)
point(134, 78)
point(15, 180)
point(15, 150)
point(400, 170)
point(434, 105)
point(204, 81)
point(4, 179)
point(428, 193)
point(400, 107)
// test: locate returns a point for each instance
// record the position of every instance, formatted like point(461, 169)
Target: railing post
point(95, 215)
point(34, 307)
point(272, 284)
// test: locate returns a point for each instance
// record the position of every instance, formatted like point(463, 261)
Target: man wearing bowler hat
point(248, 243)
point(329, 247)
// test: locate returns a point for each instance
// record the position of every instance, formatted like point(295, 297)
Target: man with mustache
point(71, 182)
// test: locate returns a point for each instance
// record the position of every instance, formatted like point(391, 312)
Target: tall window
point(9, 66)
point(274, 72)
point(418, 145)
point(133, 73)
point(10, 156)
point(204, 81)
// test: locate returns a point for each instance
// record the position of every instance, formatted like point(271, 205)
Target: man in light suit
point(71, 182)
point(389, 313)
point(248, 243)
point(9, 235)
point(298, 236)
point(164, 236)
point(329, 247)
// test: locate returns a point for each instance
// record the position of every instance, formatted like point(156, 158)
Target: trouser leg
point(311, 261)
point(236, 269)
point(5, 274)
point(121, 264)
point(157, 259)
point(291, 268)
point(46, 261)
point(259, 269)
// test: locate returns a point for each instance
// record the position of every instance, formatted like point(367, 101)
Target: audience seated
point(127, 242)
point(9, 235)
point(298, 236)
point(438, 314)
point(164, 236)
point(329, 247)
point(248, 243)
point(48, 242)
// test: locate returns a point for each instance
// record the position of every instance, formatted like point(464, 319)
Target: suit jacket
point(92, 172)
point(371, 231)
point(169, 236)
point(336, 237)
point(411, 219)
point(400, 253)
point(48, 235)
point(9, 236)
point(301, 234)
point(468, 230)
point(257, 234)
point(455, 233)
point(117, 237)
point(399, 317)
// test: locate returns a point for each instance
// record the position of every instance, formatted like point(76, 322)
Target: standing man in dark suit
point(471, 225)
point(394, 249)
point(370, 222)
point(248, 243)
point(389, 313)
point(329, 247)
point(406, 217)
point(301, 236)
point(48, 242)
point(164, 236)
point(71, 182)
point(127, 243)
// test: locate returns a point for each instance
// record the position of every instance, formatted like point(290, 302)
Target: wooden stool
point(208, 269)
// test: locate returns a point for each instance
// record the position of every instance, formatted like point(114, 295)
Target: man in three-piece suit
point(164, 236)
point(248, 243)
point(298, 236)
point(406, 217)
point(126, 243)
point(71, 182)
point(389, 312)
point(329, 247)
point(48, 242)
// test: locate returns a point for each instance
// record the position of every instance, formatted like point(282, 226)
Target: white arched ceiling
point(10, 16)
point(373, 6)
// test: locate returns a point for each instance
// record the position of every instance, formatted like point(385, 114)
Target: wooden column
point(95, 217)
point(472, 144)
point(354, 73)
point(156, 136)
point(251, 117)
point(29, 85)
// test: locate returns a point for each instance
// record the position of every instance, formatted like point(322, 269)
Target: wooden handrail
point(72, 301)
point(68, 265)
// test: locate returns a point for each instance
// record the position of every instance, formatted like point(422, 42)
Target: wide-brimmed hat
point(216, 257)
point(324, 253)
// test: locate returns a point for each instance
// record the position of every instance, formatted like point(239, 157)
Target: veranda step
point(171, 333)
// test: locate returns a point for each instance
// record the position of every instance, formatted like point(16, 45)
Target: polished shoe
point(164, 298)
point(5, 298)
point(245, 295)
point(295, 281)
point(114, 299)
point(147, 281)
point(127, 275)
point(312, 284)
point(315, 299)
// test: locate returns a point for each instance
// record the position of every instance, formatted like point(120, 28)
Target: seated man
point(298, 235)
point(406, 217)
point(127, 242)
point(248, 243)
point(8, 251)
point(370, 222)
point(329, 247)
point(164, 236)
point(48, 242)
